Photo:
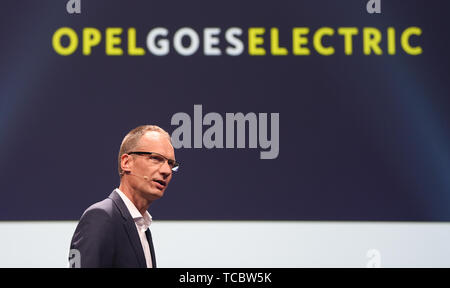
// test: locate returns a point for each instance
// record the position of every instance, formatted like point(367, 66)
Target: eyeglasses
point(158, 159)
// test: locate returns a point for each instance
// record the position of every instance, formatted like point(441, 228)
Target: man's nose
point(165, 169)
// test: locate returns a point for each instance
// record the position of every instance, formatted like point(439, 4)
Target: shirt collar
point(143, 222)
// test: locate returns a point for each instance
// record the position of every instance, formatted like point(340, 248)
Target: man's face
point(154, 176)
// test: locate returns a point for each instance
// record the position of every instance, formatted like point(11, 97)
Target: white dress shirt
point(142, 224)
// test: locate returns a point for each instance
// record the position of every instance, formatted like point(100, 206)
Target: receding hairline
point(137, 140)
point(161, 134)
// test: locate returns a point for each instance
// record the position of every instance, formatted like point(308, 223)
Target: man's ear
point(126, 163)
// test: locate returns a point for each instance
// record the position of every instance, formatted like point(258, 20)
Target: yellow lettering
point(371, 39)
point(91, 37)
point(348, 33)
point(391, 41)
point(298, 41)
point(132, 49)
point(405, 40)
point(254, 40)
point(317, 40)
point(73, 41)
point(275, 43)
point(112, 40)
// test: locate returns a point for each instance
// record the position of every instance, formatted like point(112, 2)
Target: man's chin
point(154, 194)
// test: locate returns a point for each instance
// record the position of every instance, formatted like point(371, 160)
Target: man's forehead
point(156, 141)
point(153, 136)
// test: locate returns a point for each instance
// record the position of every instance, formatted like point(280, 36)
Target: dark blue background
point(361, 137)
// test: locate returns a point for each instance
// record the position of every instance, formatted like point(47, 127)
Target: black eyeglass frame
point(174, 165)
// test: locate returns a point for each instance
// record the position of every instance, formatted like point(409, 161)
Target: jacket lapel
point(130, 227)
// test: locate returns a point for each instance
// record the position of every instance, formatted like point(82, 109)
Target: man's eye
point(156, 158)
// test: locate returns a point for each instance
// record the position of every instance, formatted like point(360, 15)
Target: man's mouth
point(162, 183)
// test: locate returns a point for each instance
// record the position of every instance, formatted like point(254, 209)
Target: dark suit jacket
point(106, 236)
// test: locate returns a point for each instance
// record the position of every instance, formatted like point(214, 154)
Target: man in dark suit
point(114, 232)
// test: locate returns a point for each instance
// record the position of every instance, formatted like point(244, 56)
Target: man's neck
point(140, 203)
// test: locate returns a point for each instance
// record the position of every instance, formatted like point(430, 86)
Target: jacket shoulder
point(105, 210)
